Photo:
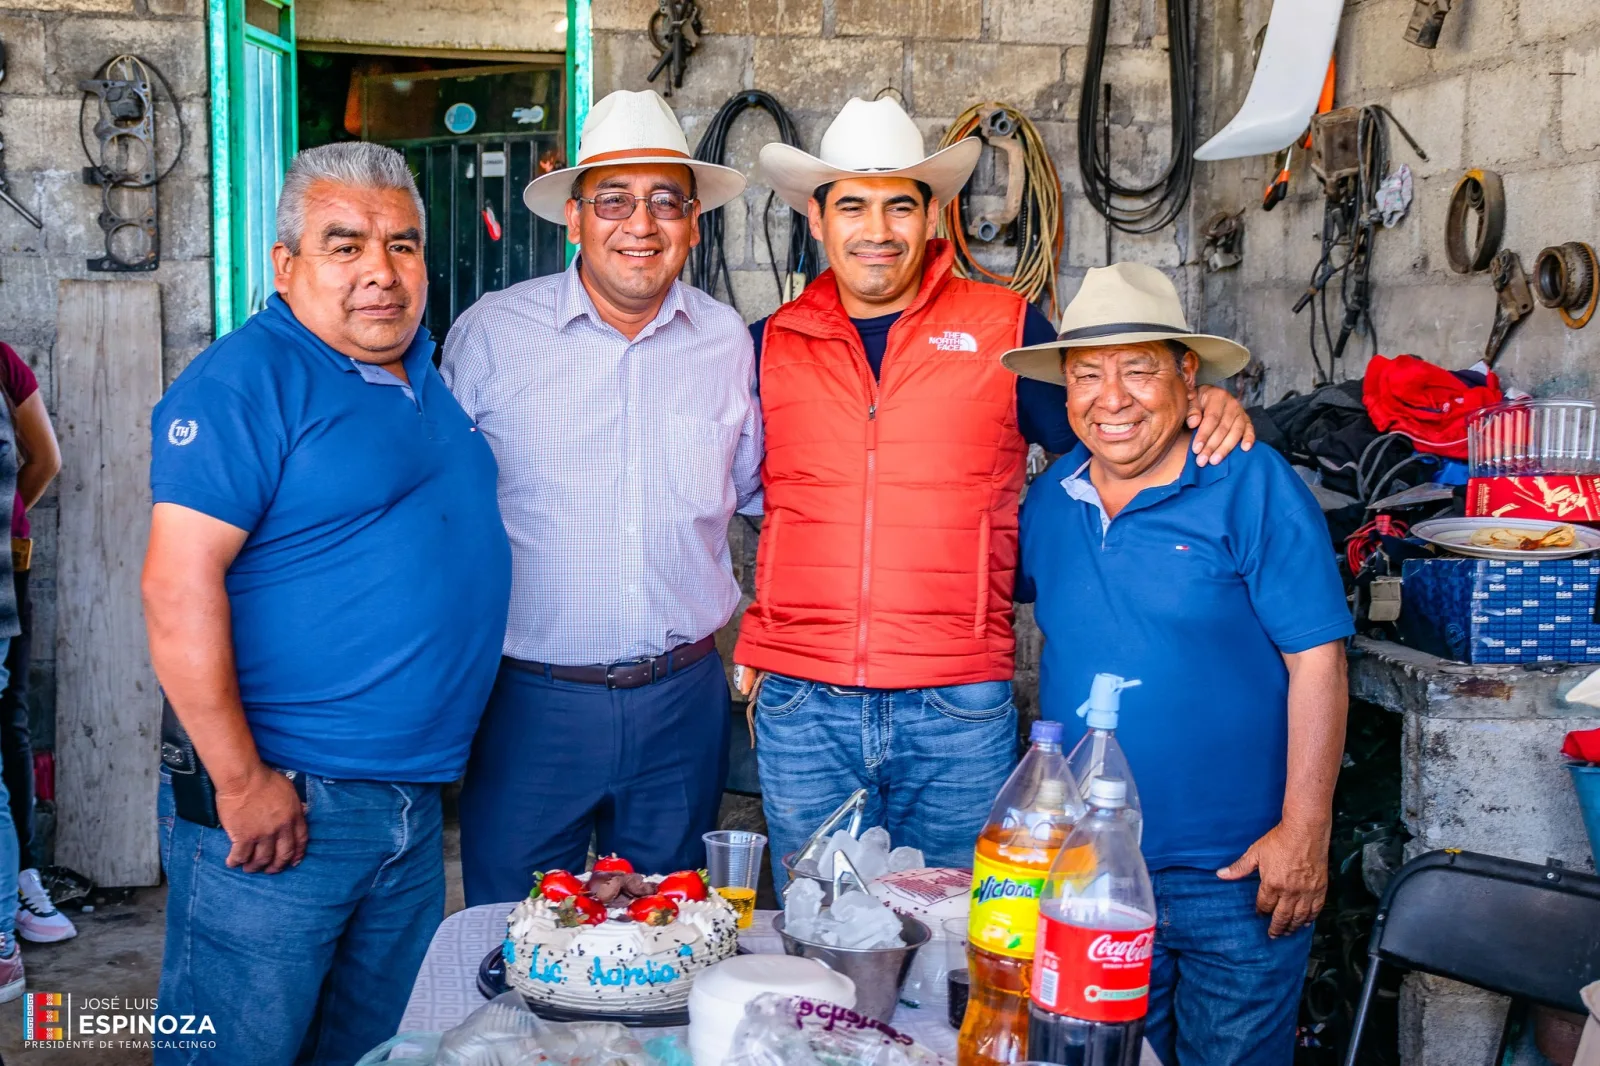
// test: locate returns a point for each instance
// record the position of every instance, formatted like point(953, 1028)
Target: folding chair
point(1524, 931)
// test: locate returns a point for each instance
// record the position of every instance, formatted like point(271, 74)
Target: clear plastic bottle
point(1091, 973)
point(1098, 755)
point(1030, 820)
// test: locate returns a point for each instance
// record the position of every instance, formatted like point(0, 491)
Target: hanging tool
point(1278, 187)
point(1427, 19)
point(491, 223)
point(999, 131)
point(1479, 192)
point(1567, 278)
point(1515, 300)
point(5, 186)
point(1224, 235)
point(1283, 164)
point(675, 30)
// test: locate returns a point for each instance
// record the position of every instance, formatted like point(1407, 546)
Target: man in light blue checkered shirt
point(620, 405)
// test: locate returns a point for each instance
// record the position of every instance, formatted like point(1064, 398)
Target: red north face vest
point(889, 550)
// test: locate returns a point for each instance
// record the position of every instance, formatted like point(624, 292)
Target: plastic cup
point(955, 977)
point(733, 863)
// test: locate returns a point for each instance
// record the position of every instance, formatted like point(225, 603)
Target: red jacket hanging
point(1427, 403)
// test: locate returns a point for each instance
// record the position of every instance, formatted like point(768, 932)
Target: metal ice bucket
point(879, 973)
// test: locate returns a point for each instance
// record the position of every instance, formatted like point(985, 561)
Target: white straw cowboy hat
point(868, 140)
point(628, 127)
point(1126, 303)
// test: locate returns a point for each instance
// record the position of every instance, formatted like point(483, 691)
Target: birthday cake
point(615, 940)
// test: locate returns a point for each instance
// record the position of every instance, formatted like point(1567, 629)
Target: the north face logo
point(954, 341)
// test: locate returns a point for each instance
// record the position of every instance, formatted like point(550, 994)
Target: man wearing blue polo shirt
point(326, 591)
point(1216, 587)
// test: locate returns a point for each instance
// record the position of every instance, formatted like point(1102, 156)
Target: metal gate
point(480, 236)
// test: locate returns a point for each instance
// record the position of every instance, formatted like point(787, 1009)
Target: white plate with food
point(1508, 538)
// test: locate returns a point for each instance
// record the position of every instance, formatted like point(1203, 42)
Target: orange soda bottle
point(1030, 820)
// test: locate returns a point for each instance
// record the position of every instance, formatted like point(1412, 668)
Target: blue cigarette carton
point(1496, 611)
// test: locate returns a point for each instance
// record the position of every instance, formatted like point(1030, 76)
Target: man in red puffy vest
point(896, 447)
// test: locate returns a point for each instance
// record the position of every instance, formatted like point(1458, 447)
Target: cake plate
point(492, 982)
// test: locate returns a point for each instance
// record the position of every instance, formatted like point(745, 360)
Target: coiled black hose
point(708, 266)
point(1138, 208)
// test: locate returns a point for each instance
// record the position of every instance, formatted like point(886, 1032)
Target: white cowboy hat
point(873, 140)
point(1126, 303)
point(629, 127)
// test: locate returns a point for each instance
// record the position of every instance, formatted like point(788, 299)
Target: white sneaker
point(37, 917)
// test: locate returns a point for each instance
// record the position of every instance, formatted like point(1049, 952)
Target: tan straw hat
point(868, 140)
point(1126, 303)
point(628, 127)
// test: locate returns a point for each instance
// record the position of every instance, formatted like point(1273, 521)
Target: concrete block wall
point(1512, 87)
point(941, 56)
point(50, 46)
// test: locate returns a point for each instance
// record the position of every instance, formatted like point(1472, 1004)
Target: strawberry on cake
point(615, 940)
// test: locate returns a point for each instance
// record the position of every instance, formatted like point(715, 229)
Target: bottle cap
point(1108, 792)
point(1105, 700)
point(1046, 732)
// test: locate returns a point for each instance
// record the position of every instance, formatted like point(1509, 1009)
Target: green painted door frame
point(228, 34)
point(236, 98)
point(580, 78)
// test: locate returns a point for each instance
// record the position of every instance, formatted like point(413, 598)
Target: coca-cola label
point(1097, 975)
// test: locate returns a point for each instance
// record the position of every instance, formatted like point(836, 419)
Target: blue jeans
point(312, 965)
point(554, 762)
point(1222, 992)
point(931, 760)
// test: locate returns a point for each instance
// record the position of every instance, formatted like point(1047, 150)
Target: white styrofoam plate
point(1454, 535)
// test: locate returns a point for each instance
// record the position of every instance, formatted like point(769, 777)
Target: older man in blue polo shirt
point(1216, 587)
point(326, 593)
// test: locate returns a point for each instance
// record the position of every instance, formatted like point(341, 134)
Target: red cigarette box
point(1554, 497)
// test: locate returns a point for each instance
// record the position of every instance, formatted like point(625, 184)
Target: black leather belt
point(635, 673)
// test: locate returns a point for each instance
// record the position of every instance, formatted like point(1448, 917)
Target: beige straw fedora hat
point(629, 127)
point(1126, 303)
point(874, 139)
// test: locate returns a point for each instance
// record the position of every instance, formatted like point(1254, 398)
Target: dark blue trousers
point(555, 761)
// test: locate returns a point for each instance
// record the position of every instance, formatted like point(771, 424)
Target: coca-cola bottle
point(1091, 964)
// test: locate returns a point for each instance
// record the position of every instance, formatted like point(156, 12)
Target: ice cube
point(872, 853)
point(901, 859)
point(864, 922)
point(802, 906)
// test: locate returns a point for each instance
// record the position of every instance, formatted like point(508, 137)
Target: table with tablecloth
point(447, 986)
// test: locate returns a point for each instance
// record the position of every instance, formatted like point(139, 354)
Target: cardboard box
point(1553, 497)
point(1494, 611)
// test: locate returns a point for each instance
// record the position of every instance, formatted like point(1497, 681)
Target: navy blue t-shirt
point(1198, 589)
point(1041, 406)
point(369, 600)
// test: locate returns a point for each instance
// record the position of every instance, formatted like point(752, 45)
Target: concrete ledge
point(1408, 681)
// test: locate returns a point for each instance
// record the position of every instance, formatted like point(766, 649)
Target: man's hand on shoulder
point(1219, 425)
point(1293, 863)
point(266, 821)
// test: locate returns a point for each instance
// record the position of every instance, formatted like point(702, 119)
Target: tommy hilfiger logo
point(954, 341)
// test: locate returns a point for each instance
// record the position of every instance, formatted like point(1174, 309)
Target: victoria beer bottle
point(1091, 970)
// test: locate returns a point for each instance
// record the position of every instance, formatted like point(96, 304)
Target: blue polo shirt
point(1198, 589)
point(369, 600)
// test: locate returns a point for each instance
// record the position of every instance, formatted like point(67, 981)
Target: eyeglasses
point(616, 206)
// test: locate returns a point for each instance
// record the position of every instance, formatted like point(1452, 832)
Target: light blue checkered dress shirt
point(621, 464)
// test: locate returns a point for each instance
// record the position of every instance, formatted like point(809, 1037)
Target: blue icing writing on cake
point(618, 964)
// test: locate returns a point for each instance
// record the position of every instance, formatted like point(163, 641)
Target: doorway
point(475, 133)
